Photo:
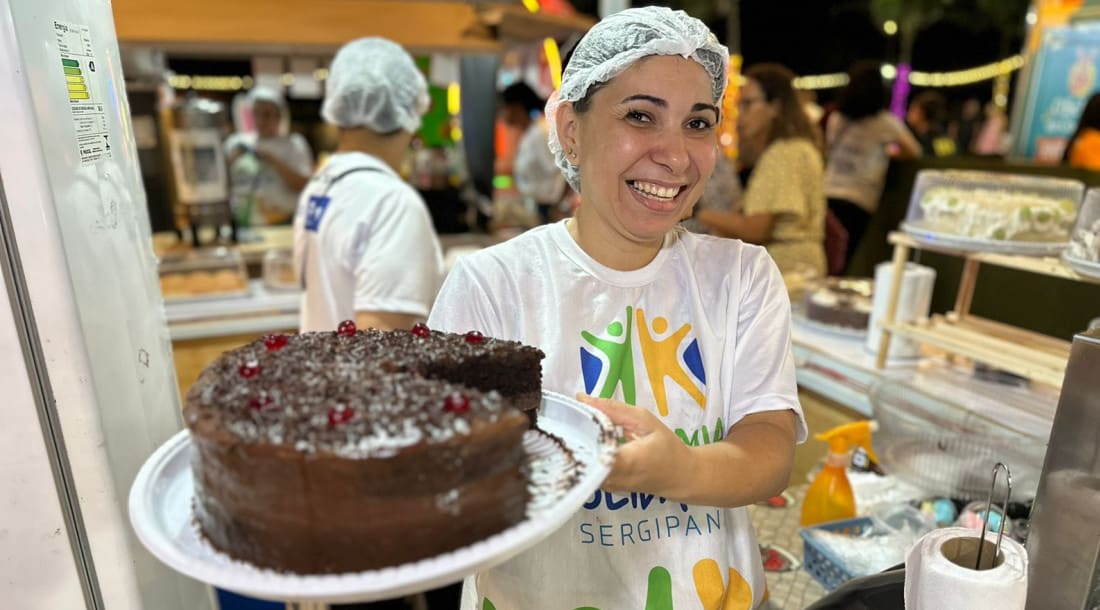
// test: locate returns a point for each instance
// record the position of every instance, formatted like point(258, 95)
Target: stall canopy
point(296, 26)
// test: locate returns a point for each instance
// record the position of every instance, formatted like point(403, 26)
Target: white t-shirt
point(363, 241)
point(700, 336)
point(858, 160)
point(251, 177)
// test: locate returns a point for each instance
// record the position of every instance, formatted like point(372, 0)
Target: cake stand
point(935, 239)
point(564, 476)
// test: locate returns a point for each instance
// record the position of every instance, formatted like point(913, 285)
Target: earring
point(572, 154)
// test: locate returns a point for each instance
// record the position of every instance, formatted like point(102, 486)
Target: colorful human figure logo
point(662, 360)
point(620, 361)
point(713, 592)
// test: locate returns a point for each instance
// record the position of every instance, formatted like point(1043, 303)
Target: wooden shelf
point(1043, 265)
point(1038, 357)
point(1015, 350)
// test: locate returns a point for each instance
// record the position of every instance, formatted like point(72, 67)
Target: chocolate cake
point(842, 302)
point(355, 450)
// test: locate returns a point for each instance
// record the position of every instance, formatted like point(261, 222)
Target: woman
point(861, 137)
point(268, 167)
point(681, 339)
point(784, 205)
point(1083, 147)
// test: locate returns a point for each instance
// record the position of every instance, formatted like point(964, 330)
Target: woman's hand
point(651, 457)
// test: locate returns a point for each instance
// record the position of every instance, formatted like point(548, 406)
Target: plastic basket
point(825, 567)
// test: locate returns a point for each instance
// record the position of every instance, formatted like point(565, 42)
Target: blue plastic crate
point(825, 567)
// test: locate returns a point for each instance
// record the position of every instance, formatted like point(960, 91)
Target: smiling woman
point(681, 339)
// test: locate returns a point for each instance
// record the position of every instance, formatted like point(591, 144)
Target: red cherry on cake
point(339, 415)
point(274, 343)
point(259, 402)
point(421, 330)
point(456, 403)
point(346, 328)
point(249, 369)
point(475, 337)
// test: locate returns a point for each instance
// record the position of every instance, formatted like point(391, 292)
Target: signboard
point(1063, 76)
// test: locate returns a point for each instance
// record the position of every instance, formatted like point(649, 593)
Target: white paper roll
point(914, 301)
point(934, 582)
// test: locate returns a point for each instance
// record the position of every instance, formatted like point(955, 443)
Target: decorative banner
point(1062, 77)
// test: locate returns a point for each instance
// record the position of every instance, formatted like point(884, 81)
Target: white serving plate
point(973, 244)
point(562, 480)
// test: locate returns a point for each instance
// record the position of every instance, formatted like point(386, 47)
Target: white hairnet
point(374, 83)
point(619, 40)
point(271, 96)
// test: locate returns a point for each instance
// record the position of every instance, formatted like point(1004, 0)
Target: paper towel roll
point(913, 302)
point(934, 582)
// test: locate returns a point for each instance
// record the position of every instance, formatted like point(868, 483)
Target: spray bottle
point(829, 497)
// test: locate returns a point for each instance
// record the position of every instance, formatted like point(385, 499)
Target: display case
point(949, 449)
point(202, 275)
point(278, 271)
point(1083, 253)
point(992, 212)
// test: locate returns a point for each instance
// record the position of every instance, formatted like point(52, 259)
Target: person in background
point(722, 193)
point(784, 204)
point(538, 179)
point(1083, 147)
point(364, 246)
point(964, 129)
point(269, 166)
point(861, 136)
point(675, 332)
point(925, 116)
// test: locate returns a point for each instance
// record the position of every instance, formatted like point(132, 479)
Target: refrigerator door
point(89, 305)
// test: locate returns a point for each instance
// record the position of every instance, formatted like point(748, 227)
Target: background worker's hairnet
point(619, 40)
point(374, 83)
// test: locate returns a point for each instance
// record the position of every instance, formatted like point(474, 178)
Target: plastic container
point(949, 450)
point(825, 567)
point(984, 211)
point(1083, 253)
point(202, 275)
point(278, 271)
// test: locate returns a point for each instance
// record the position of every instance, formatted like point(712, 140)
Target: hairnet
point(271, 96)
point(621, 39)
point(374, 83)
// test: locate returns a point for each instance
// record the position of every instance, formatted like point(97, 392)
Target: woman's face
point(755, 112)
point(267, 117)
point(645, 147)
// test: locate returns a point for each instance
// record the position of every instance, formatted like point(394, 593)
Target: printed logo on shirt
point(315, 211)
point(671, 358)
point(713, 591)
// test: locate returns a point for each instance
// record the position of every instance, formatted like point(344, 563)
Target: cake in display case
point(982, 211)
point(1083, 253)
point(203, 274)
point(839, 304)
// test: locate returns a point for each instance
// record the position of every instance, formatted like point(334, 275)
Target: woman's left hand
point(651, 454)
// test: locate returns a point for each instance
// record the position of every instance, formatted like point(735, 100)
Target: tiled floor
point(779, 527)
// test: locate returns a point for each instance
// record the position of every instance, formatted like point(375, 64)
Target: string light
point(921, 79)
point(968, 76)
point(890, 27)
point(821, 81)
